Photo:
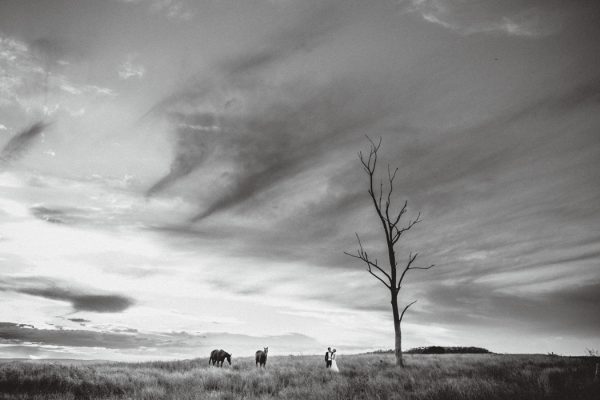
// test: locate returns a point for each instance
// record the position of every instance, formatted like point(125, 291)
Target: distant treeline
point(437, 350)
point(447, 350)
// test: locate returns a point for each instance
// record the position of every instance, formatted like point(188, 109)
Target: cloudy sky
point(178, 176)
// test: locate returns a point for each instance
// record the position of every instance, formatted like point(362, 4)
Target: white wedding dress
point(334, 366)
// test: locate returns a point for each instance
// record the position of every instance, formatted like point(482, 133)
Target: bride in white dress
point(334, 366)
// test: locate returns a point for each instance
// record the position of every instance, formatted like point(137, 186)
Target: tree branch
point(400, 214)
point(370, 165)
point(406, 308)
point(361, 254)
point(429, 267)
point(411, 260)
point(399, 232)
point(379, 278)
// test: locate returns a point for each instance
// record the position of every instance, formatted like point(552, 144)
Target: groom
point(328, 358)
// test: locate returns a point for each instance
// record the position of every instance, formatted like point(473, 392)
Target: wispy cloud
point(526, 19)
point(172, 9)
point(34, 85)
point(80, 300)
point(130, 68)
point(21, 142)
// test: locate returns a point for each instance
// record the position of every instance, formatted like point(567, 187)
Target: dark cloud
point(12, 333)
point(307, 32)
point(53, 50)
point(79, 299)
point(18, 145)
point(266, 132)
point(79, 320)
point(277, 138)
point(242, 70)
point(572, 310)
point(100, 303)
point(54, 215)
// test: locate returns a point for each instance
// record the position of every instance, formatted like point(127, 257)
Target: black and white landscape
point(178, 176)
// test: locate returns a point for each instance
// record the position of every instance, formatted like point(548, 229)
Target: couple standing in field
point(330, 360)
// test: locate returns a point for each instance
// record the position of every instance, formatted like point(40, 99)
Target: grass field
point(304, 377)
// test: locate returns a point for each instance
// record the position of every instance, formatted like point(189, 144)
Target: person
point(334, 366)
point(328, 355)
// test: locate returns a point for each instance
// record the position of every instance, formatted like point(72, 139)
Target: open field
point(300, 377)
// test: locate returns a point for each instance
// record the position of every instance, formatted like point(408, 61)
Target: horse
point(261, 357)
point(219, 356)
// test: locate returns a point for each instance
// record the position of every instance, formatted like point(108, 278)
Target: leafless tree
point(391, 276)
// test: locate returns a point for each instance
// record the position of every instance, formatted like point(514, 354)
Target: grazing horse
point(219, 356)
point(261, 357)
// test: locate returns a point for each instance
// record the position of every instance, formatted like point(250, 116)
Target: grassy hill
point(373, 376)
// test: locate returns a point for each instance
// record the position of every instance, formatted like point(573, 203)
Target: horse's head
point(228, 357)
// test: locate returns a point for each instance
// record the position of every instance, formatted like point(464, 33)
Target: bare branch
point(361, 254)
point(429, 267)
point(370, 264)
point(370, 165)
point(374, 147)
point(406, 308)
point(400, 214)
point(380, 280)
point(380, 192)
point(408, 266)
point(411, 259)
point(399, 232)
point(391, 178)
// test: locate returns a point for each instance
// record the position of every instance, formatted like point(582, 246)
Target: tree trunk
point(397, 331)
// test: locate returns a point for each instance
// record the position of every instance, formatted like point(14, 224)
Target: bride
point(334, 366)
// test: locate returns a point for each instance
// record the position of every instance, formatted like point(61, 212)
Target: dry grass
point(428, 377)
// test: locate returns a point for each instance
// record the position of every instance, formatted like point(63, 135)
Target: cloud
point(172, 9)
point(21, 142)
point(34, 83)
point(68, 215)
point(50, 215)
point(131, 69)
point(13, 333)
point(251, 133)
point(564, 311)
point(514, 18)
point(80, 300)
point(180, 343)
point(212, 112)
point(79, 320)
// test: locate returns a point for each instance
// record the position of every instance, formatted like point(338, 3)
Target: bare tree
point(393, 275)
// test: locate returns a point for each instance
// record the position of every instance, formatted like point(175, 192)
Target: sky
point(178, 176)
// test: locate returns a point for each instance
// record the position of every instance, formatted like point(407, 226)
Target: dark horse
point(218, 356)
point(261, 357)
